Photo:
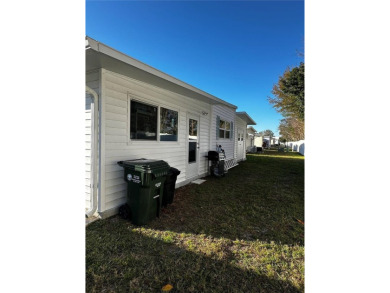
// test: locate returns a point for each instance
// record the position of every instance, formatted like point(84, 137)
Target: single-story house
point(258, 140)
point(274, 140)
point(136, 111)
point(250, 139)
point(222, 125)
point(242, 122)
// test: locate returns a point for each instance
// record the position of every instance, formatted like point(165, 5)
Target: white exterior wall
point(258, 141)
point(117, 91)
point(92, 81)
point(228, 114)
point(240, 124)
point(249, 139)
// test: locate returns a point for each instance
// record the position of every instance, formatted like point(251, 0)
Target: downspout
point(94, 125)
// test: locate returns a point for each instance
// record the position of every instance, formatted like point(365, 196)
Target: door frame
point(191, 115)
point(94, 150)
point(240, 156)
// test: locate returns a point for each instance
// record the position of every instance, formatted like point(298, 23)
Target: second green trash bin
point(169, 187)
point(145, 186)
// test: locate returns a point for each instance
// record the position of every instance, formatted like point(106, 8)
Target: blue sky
point(235, 50)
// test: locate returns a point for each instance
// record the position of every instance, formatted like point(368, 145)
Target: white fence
point(297, 146)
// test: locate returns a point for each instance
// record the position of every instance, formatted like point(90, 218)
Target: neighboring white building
point(274, 140)
point(242, 122)
point(258, 140)
point(222, 127)
point(250, 139)
point(136, 111)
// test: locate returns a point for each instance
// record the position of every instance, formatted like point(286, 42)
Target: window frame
point(159, 123)
point(129, 120)
point(224, 129)
point(149, 102)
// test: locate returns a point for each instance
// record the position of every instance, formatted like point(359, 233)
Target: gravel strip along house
point(134, 111)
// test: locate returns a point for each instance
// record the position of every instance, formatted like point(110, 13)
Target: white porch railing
point(231, 163)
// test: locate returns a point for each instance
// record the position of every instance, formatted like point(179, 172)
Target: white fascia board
point(244, 116)
point(104, 49)
point(251, 128)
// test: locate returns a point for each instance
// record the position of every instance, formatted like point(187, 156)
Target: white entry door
point(193, 145)
point(240, 144)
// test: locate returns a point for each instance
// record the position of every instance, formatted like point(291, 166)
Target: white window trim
point(225, 130)
point(129, 119)
point(178, 123)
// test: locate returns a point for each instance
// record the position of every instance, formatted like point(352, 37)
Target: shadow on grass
point(261, 199)
point(206, 241)
point(119, 258)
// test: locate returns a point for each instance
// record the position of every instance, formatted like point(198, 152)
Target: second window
point(224, 129)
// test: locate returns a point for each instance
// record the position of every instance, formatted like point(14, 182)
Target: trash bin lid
point(173, 171)
point(157, 167)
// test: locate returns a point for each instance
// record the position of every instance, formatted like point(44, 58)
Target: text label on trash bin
point(133, 178)
point(158, 184)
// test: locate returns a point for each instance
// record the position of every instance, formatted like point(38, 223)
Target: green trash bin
point(145, 184)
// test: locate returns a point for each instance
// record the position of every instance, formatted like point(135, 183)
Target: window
point(224, 129)
point(193, 129)
point(192, 139)
point(168, 125)
point(143, 121)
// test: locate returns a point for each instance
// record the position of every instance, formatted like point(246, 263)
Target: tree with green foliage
point(289, 93)
point(289, 100)
point(292, 129)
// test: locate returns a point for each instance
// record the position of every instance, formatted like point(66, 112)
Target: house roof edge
point(104, 49)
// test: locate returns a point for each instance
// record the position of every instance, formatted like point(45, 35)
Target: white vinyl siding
point(117, 90)
point(93, 80)
point(227, 114)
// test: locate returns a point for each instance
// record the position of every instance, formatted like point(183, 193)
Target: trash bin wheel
point(125, 212)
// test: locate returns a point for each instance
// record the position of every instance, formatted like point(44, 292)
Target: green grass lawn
point(240, 233)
